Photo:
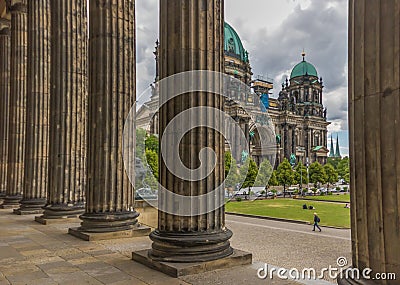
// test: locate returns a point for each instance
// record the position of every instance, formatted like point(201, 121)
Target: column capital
point(5, 26)
point(17, 6)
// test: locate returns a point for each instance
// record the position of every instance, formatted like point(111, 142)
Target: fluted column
point(374, 118)
point(110, 195)
point(4, 100)
point(191, 39)
point(16, 131)
point(68, 99)
point(37, 108)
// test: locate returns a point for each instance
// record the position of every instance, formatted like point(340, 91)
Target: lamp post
point(308, 175)
point(301, 179)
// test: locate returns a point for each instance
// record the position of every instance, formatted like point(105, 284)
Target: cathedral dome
point(304, 68)
point(233, 45)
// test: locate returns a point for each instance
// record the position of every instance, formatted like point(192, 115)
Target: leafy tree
point(228, 162)
point(343, 168)
point(317, 173)
point(250, 170)
point(331, 174)
point(152, 161)
point(152, 143)
point(273, 180)
point(334, 161)
point(264, 173)
point(285, 175)
point(231, 165)
point(300, 174)
point(150, 181)
point(140, 146)
point(347, 177)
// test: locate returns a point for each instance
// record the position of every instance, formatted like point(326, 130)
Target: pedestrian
point(316, 221)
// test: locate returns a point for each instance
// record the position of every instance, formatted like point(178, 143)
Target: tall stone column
point(110, 195)
point(37, 108)
point(191, 39)
point(374, 118)
point(17, 104)
point(4, 100)
point(68, 100)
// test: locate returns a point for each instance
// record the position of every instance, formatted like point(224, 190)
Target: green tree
point(300, 174)
point(140, 145)
point(285, 175)
point(317, 174)
point(150, 181)
point(152, 143)
point(250, 170)
point(331, 174)
point(152, 161)
point(343, 168)
point(264, 174)
point(231, 169)
point(334, 161)
point(273, 180)
point(228, 162)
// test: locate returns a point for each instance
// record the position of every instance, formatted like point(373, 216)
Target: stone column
point(4, 99)
point(191, 39)
point(37, 108)
point(374, 102)
point(17, 104)
point(68, 99)
point(110, 195)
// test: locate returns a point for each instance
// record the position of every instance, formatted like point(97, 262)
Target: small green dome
point(232, 44)
point(304, 68)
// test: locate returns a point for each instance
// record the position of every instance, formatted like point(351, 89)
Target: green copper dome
point(233, 45)
point(304, 68)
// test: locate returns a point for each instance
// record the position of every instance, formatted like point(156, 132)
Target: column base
point(109, 225)
point(46, 221)
point(237, 258)
point(30, 206)
point(11, 202)
point(108, 222)
point(63, 211)
point(349, 281)
point(137, 231)
point(190, 247)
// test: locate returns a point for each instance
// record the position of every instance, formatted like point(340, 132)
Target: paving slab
point(31, 253)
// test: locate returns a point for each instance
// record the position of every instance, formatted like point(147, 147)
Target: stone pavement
point(31, 253)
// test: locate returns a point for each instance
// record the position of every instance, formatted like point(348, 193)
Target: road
point(289, 245)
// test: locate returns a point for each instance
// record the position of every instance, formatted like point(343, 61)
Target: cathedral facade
point(298, 114)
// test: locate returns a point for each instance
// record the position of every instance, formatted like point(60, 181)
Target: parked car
point(323, 190)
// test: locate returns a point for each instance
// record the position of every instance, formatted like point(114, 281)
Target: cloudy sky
point(275, 32)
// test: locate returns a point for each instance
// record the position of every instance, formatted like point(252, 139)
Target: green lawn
point(337, 198)
point(331, 214)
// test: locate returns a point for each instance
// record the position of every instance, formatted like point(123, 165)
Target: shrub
point(238, 199)
point(338, 188)
point(330, 193)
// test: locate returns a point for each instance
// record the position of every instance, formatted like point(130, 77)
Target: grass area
point(331, 214)
point(337, 198)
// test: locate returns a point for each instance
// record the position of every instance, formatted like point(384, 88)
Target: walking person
point(316, 221)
